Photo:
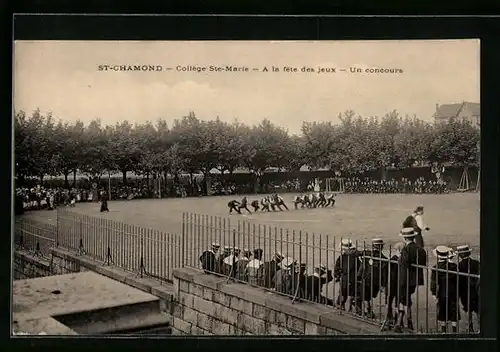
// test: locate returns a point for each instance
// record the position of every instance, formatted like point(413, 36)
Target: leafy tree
point(123, 148)
point(411, 144)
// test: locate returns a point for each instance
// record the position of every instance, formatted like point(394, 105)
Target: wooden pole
point(109, 185)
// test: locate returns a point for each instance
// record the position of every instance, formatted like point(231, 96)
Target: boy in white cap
point(468, 288)
point(283, 278)
point(370, 275)
point(330, 200)
point(409, 276)
point(321, 276)
point(391, 283)
point(444, 288)
point(208, 259)
point(346, 268)
point(271, 268)
point(254, 268)
point(241, 265)
point(298, 200)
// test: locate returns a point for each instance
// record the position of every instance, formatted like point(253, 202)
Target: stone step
point(110, 319)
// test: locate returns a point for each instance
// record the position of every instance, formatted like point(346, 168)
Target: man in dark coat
point(415, 220)
point(444, 288)
point(370, 275)
point(346, 268)
point(104, 203)
point(409, 276)
point(468, 288)
point(270, 269)
point(208, 259)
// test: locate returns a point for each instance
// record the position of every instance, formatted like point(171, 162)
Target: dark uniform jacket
point(444, 286)
point(373, 273)
point(469, 286)
point(314, 286)
point(391, 285)
point(240, 269)
point(412, 255)
point(346, 269)
point(270, 269)
point(283, 282)
point(207, 260)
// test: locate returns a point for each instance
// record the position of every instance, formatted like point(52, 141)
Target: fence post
point(183, 235)
point(57, 228)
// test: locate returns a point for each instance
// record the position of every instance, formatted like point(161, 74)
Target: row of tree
point(47, 146)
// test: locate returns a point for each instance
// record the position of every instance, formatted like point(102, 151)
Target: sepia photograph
point(192, 188)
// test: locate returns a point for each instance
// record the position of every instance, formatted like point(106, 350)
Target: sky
point(63, 77)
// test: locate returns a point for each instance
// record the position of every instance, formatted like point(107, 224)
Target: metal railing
point(145, 251)
point(35, 237)
point(373, 285)
point(304, 266)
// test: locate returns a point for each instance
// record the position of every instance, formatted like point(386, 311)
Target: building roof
point(452, 110)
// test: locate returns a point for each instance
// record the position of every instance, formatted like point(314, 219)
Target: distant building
point(464, 110)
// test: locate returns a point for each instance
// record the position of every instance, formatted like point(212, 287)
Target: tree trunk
point(383, 173)
point(74, 177)
point(41, 179)
point(66, 182)
point(208, 184)
point(147, 177)
point(124, 173)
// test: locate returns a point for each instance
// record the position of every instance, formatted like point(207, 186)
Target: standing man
point(409, 276)
point(283, 278)
point(346, 268)
point(468, 289)
point(416, 221)
point(104, 203)
point(444, 288)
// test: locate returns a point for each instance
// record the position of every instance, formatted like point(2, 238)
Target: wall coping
point(35, 260)
point(162, 290)
point(308, 311)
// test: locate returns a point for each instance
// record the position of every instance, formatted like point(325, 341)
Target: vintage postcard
point(258, 187)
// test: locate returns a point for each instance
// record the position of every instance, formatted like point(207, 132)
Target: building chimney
point(437, 107)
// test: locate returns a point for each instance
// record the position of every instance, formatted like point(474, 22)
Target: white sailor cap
point(463, 249)
point(407, 232)
point(215, 245)
point(443, 252)
point(287, 262)
point(345, 243)
point(377, 241)
point(321, 268)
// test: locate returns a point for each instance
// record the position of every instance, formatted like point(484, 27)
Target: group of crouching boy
point(362, 275)
point(275, 202)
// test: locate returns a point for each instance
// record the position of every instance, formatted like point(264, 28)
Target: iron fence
point(146, 251)
point(35, 237)
point(373, 285)
point(304, 266)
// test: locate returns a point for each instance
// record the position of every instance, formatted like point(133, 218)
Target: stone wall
point(201, 304)
point(206, 304)
point(28, 266)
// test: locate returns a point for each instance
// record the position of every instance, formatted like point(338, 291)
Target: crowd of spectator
point(366, 185)
point(48, 196)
